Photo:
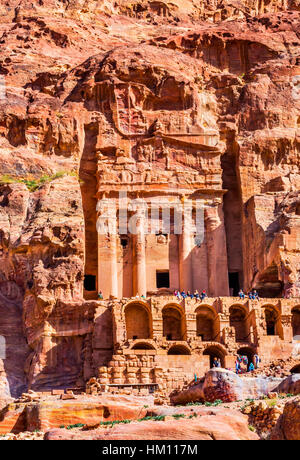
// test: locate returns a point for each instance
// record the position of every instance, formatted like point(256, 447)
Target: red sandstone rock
point(232, 426)
point(52, 413)
point(220, 384)
point(288, 425)
point(187, 69)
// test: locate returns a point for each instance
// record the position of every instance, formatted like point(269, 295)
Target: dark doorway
point(234, 283)
point(124, 242)
point(90, 282)
point(162, 279)
point(270, 322)
point(296, 369)
point(270, 328)
point(214, 352)
point(246, 351)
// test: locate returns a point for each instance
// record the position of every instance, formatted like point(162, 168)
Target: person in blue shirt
point(203, 294)
point(251, 367)
point(241, 294)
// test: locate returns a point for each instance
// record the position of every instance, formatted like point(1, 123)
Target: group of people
point(217, 362)
point(253, 295)
point(183, 295)
point(250, 367)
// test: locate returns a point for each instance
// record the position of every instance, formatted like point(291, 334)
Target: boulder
point(290, 385)
point(226, 386)
point(46, 414)
point(288, 425)
point(214, 425)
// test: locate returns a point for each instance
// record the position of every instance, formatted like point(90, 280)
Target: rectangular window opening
point(90, 282)
point(234, 283)
point(162, 279)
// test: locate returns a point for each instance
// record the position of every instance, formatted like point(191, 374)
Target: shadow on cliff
point(87, 174)
point(16, 348)
point(64, 365)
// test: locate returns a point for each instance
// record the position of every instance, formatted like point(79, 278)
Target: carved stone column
point(185, 254)
point(140, 253)
point(107, 236)
point(216, 252)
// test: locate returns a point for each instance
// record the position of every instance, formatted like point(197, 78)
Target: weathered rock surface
point(289, 385)
point(227, 386)
point(288, 425)
point(48, 413)
point(53, 57)
point(210, 425)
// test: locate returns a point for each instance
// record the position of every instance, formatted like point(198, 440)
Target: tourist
point(241, 294)
point(203, 294)
point(183, 294)
point(255, 295)
point(257, 361)
point(237, 367)
point(219, 363)
point(143, 297)
point(245, 361)
point(196, 294)
point(100, 295)
point(189, 294)
point(250, 295)
point(215, 362)
point(177, 294)
point(251, 367)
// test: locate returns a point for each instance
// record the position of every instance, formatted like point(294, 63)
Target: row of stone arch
point(139, 322)
point(213, 351)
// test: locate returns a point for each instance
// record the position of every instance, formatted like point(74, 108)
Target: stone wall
point(146, 353)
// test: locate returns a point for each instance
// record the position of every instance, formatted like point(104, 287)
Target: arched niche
point(205, 323)
point(215, 352)
point(173, 323)
point(143, 346)
point(179, 350)
point(272, 321)
point(237, 320)
point(249, 352)
point(296, 323)
point(138, 321)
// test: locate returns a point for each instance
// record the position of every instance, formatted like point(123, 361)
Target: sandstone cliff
point(233, 64)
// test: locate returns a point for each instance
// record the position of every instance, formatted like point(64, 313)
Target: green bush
point(195, 404)
point(34, 184)
point(76, 425)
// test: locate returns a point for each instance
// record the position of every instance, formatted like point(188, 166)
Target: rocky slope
point(241, 59)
